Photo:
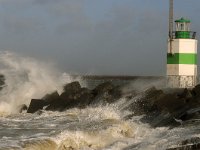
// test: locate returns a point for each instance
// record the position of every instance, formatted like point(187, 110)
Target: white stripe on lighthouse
point(184, 46)
point(181, 69)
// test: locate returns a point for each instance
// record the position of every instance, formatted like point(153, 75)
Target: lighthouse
point(181, 54)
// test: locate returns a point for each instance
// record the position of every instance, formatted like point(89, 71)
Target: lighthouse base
point(181, 81)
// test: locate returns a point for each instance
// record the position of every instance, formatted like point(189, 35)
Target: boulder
point(72, 96)
point(39, 104)
point(49, 98)
point(187, 94)
point(196, 91)
point(85, 97)
point(102, 88)
point(106, 93)
point(81, 98)
point(22, 108)
point(188, 144)
point(72, 87)
point(35, 105)
point(170, 102)
point(53, 101)
point(145, 102)
point(58, 105)
point(190, 114)
point(2, 81)
point(173, 108)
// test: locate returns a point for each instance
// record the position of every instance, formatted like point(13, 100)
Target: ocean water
point(93, 128)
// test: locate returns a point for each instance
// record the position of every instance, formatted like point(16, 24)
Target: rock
point(72, 87)
point(39, 112)
point(58, 105)
point(35, 105)
point(193, 140)
point(73, 96)
point(102, 88)
point(85, 97)
point(150, 97)
point(2, 81)
point(170, 102)
point(53, 102)
point(116, 93)
point(106, 93)
point(49, 98)
point(196, 91)
point(189, 144)
point(145, 102)
point(190, 114)
point(179, 104)
point(22, 108)
point(79, 98)
point(186, 94)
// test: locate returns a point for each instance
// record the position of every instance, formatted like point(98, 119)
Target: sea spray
point(26, 78)
point(140, 85)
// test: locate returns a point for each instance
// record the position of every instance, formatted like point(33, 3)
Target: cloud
point(20, 25)
point(129, 38)
point(45, 1)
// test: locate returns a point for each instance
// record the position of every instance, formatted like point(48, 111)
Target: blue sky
point(107, 37)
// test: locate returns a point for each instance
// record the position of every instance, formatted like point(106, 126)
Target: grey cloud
point(126, 41)
point(21, 25)
point(45, 1)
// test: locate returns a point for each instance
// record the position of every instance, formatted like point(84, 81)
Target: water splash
point(26, 78)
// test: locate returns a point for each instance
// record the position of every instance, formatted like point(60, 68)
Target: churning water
point(92, 128)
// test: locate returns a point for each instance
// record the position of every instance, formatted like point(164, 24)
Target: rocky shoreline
point(160, 107)
point(183, 104)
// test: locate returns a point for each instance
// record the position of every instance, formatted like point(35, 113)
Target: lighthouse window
point(182, 27)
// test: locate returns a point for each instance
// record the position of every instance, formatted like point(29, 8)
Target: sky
point(93, 37)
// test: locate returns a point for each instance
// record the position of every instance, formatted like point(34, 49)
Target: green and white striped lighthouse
point(182, 56)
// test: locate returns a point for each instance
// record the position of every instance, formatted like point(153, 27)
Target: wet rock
point(35, 105)
point(196, 91)
point(39, 112)
point(85, 97)
point(170, 102)
point(106, 93)
point(190, 114)
point(22, 108)
point(49, 98)
point(2, 81)
point(52, 101)
point(186, 94)
point(79, 98)
point(145, 102)
point(189, 144)
point(176, 105)
point(57, 105)
point(72, 87)
point(102, 88)
point(191, 141)
point(73, 96)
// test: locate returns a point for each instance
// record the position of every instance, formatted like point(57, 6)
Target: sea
point(97, 127)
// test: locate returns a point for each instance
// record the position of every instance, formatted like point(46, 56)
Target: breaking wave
point(26, 78)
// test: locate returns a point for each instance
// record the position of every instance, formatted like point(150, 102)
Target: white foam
point(27, 78)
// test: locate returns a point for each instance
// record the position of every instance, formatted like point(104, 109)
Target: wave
point(26, 78)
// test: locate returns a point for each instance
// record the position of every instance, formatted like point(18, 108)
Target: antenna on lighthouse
point(171, 19)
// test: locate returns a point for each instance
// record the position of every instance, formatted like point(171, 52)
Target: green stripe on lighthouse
point(182, 58)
